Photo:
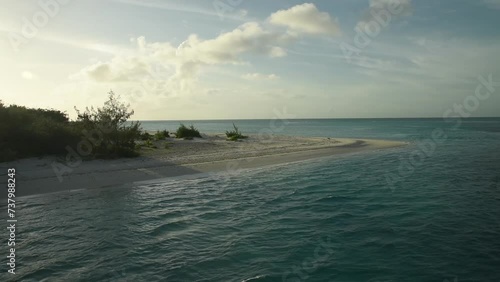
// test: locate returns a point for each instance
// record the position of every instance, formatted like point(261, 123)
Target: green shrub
point(118, 135)
point(235, 134)
point(187, 132)
point(161, 135)
point(26, 132)
point(145, 136)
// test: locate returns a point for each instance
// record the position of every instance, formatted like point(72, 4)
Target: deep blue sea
point(429, 211)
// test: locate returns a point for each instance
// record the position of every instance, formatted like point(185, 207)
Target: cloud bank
point(306, 19)
point(181, 65)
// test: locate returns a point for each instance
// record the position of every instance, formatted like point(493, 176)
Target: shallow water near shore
point(329, 219)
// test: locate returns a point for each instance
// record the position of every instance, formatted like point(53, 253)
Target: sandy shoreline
point(173, 158)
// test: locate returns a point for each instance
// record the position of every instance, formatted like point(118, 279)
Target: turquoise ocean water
point(429, 211)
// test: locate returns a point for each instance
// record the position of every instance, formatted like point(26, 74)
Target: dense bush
point(235, 134)
point(26, 132)
point(117, 136)
point(145, 136)
point(161, 135)
point(187, 132)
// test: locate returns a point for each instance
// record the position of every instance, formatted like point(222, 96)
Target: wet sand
point(177, 157)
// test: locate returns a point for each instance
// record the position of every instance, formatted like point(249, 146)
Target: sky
point(250, 59)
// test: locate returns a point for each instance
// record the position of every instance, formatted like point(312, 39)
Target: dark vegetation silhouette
point(27, 132)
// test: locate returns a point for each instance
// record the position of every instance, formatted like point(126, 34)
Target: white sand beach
point(213, 153)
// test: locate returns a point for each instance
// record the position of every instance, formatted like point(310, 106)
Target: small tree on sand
point(115, 135)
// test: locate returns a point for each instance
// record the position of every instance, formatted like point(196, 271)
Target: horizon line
point(249, 119)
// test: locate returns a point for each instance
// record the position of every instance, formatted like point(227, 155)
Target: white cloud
point(183, 63)
point(260, 76)
point(119, 69)
point(179, 66)
point(306, 18)
point(227, 47)
point(28, 75)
